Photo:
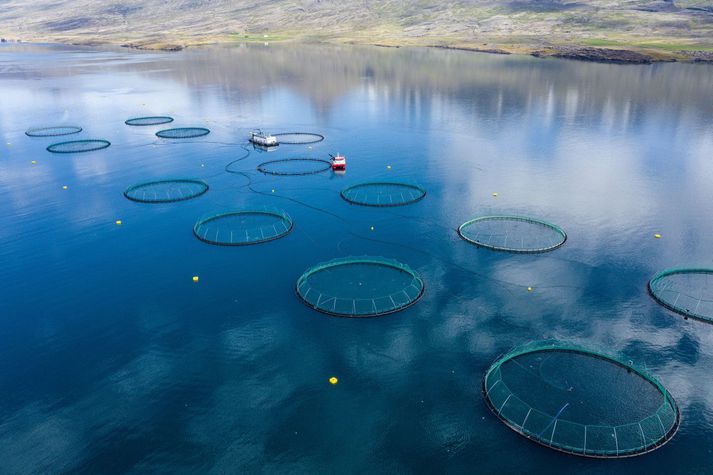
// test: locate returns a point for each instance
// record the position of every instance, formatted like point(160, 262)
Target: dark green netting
point(166, 191)
point(77, 146)
point(688, 291)
point(182, 133)
point(53, 131)
point(243, 227)
point(294, 166)
point(360, 287)
point(512, 233)
point(298, 138)
point(383, 194)
point(580, 401)
point(152, 120)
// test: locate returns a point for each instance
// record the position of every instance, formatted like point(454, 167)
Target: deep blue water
point(113, 360)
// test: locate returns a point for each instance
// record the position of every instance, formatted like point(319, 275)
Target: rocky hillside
point(590, 29)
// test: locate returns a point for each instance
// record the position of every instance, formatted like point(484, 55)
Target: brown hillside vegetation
point(623, 30)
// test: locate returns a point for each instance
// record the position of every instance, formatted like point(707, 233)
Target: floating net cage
point(580, 401)
point(298, 138)
point(53, 131)
point(166, 191)
point(243, 227)
point(152, 120)
point(512, 234)
point(360, 287)
point(294, 166)
point(687, 291)
point(78, 146)
point(383, 194)
point(182, 133)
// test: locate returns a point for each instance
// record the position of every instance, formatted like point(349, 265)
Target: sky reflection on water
point(113, 360)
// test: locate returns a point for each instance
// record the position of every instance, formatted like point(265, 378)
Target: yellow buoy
point(372, 228)
point(273, 190)
point(657, 236)
point(388, 166)
point(529, 289)
point(195, 278)
point(118, 222)
point(333, 380)
point(65, 187)
point(33, 162)
point(495, 193)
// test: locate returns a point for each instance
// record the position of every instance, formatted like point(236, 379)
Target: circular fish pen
point(294, 166)
point(146, 121)
point(512, 234)
point(182, 133)
point(53, 131)
point(360, 287)
point(686, 291)
point(580, 401)
point(78, 146)
point(298, 138)
point(243, 227)
point(383, 194)
point(166, 191)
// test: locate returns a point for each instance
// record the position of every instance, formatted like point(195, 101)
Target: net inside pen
point(360, 287)
point(687, 291)
point(383, 194)
point(166, 191)
point(298, 138)
point(53, 131)
point(182, 133)
point(294, 166)
point(512, 233)
point(78, 146)
point(152, 120)
point(243, 227)
point(580, 401)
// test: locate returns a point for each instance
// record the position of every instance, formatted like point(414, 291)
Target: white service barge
point(265, 140)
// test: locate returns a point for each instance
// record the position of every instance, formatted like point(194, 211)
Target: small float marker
point(65, 187)
point(529, 289)
point(333, 380)
point(388, 166)
point(372, 228)
point(34, 162)
point(273, 190)
point(495, 193)
point(657, 236)
point(195, 278)
point(118, 222)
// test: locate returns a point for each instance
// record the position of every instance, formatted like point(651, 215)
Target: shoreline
point(571, 51)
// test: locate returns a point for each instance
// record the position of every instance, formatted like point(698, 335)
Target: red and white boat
point(339, 162)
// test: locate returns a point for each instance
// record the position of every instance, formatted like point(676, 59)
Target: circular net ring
point(53, 131)
point(383, 194)
point(298, 138)
point(687, 291)
point(243, 227)
point(166, 191)
point(360, 287)
point(555, 428)
point(518, 234)
point(78, 146)
point(183, 133)
point(151, 120)
point(318, 164)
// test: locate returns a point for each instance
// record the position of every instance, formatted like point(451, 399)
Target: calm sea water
point(113, 360)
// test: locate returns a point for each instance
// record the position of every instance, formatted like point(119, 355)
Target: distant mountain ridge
point(656, 30)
